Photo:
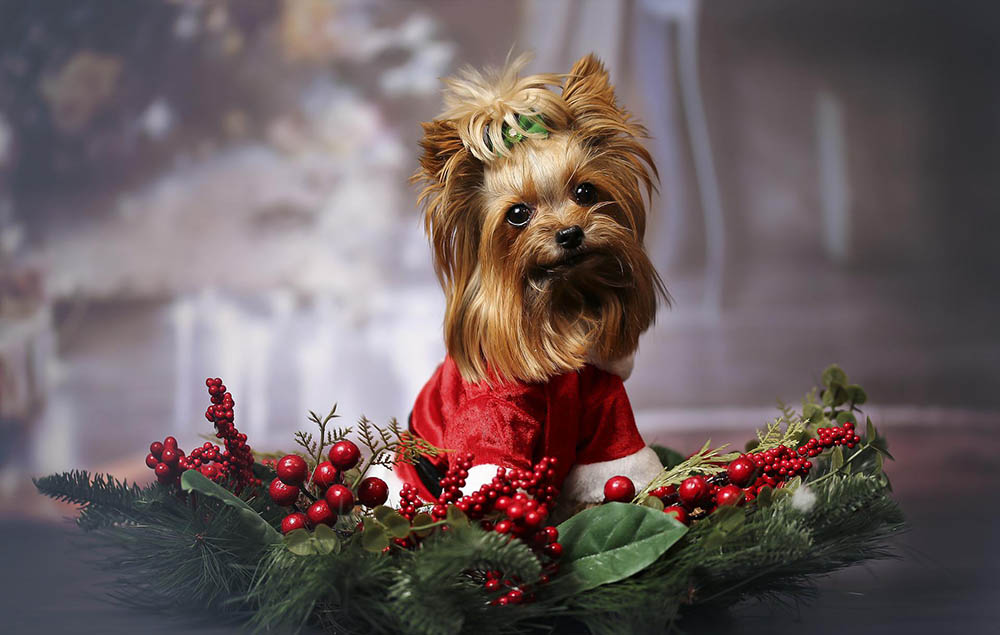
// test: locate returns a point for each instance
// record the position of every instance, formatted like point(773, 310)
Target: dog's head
point(534, 195)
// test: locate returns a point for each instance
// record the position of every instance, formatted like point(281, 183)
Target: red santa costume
point(582, 418)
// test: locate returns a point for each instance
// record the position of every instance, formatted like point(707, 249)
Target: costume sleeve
point(614, 446)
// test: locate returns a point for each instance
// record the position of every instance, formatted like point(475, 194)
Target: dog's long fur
point(517, 306)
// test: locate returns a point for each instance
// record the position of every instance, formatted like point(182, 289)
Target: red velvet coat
point(580, 418)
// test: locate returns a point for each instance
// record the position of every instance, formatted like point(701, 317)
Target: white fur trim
point(585, 482)
point(622, 366)
point(479, 475)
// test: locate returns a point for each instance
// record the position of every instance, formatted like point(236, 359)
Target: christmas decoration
point(300, 550)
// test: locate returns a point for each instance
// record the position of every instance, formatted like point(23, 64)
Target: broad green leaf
point(811, 413)
point(195, 481)
point(300, 542)
point(879, 463)
point(654, 503)
point(836, 458)
point(382, 512)
point(397, 525)
point(374, 538)
point(726, 519)
point(765, 496)
point(420, 520)
point(611, 542)
point(325, 539)
point(827, 397)
point(844, 417)
point(834, 375)
point(793, 484)
point(869, 429)
point(856, 394)
point(456, 516)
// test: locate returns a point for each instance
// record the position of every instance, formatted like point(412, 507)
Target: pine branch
point(705, 461)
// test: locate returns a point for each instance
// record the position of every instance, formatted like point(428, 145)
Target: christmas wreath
point(306, 538)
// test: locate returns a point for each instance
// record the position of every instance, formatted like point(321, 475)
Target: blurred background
point(197, 188)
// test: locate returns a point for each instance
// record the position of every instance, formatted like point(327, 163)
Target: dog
point(534, 194)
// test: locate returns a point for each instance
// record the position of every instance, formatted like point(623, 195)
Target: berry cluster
point(516, 503)
point(235, 462)
point(745, 476)
point(164, 458)
point(829, 437)
point(329, 497)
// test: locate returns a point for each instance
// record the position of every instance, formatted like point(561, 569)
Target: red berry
point(533, 519)
point(283, 494)
point(693, 490)
point(679, 513)
point(163, 471)
point(156, 448)
point(170, 443)
point(553, 550)
point(292, 469)
point(344, 455)
point(551, 534)
point(325, 475)
point(373, 492)
point(729, 495)
point(741, 471)
point(169, 456)
point(294, 521)
point(502, 527)
point(151, 461)
point(209, 470)
point(619, 489)
point(319, 513)
point(515, 511)
point(340, 499)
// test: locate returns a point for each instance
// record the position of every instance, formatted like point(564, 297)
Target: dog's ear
point(449, 176)
point(591, 99)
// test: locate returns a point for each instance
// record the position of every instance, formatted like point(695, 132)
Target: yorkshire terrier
point(534, 194)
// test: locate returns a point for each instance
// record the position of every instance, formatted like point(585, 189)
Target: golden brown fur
point(518, 305)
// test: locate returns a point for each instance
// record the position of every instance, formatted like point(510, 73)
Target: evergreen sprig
point(707, 461)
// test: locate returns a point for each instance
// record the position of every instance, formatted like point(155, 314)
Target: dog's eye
point(585, 194)
point(519, 215)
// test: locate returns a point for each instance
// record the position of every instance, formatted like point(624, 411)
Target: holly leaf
point(611, 542)
point(195, 481)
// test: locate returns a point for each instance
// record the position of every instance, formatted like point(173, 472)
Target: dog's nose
point(569, 237)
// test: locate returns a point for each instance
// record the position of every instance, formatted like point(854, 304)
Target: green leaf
point(396, 524)
point(836, 458)
point(300, 542)
point(325, 539)
point(856, 394)
point(834, 375)
point(654, 503)
point(420, 520)
point(728, 518)
point(257, 527)
point(869, 429)
point(844, 417)
point(374, 538)
point(611, 542)
point(765, 496)
point(812, 413)
point(456, 516)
